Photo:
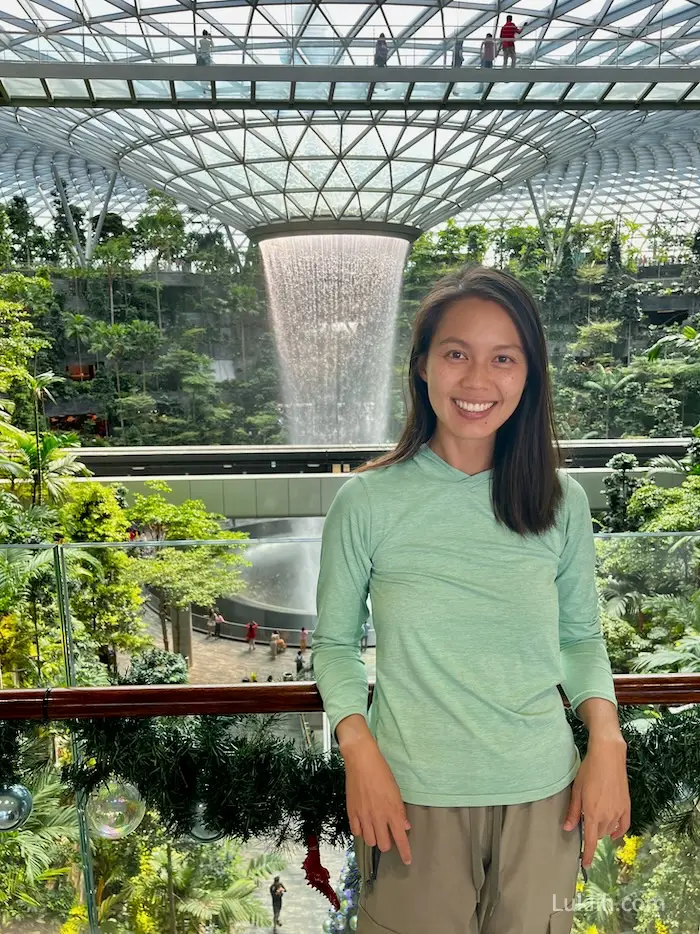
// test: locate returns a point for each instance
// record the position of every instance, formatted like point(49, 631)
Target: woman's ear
point(421, 368)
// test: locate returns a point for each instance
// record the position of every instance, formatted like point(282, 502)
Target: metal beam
point(95, 236)
point(69, 217)
point(574, 74)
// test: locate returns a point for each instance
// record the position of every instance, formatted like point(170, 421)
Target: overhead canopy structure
point(291, 124)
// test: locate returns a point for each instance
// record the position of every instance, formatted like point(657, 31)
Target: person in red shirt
point(250, 633)
point(508, 33)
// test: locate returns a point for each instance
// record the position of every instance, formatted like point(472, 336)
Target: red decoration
point(316, 875)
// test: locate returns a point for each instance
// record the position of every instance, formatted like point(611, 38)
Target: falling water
point(333, 300)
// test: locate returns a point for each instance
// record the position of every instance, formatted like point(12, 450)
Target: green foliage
point(676, 509)
point(157, 667)
point(622, 642)
point(620, 485)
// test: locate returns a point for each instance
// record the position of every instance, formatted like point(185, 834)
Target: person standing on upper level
point(205, 49)
point(508, 33)
point(381, 51)
point(466, 793)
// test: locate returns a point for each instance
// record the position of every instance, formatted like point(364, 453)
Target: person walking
point(274, 643)
point(458, 53)
point(488, 51)
point(299, 662)
point(508, 33)
point(277, 890)
point(303, 639)
point(381, 51)
point(251, 631)
point(466, 794)
point(211, 622)
point(364, 641)
point(218, 620)
point(204, 50)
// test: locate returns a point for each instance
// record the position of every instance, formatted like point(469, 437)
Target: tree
point(114, 341)
point(608, 384)
point(39, 467)
point(114, 257)
point(78, 327)
point(161, 230)
point(5, 240)
point(191, 574)
point(29, 244)
point(146, 340)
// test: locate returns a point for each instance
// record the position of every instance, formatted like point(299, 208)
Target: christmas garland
point(242, 780)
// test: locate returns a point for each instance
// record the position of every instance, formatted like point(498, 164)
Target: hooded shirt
point(476, 626)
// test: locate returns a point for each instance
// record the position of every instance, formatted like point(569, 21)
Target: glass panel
point(193, 89)
point(233, 89)
point(424, 91)
point(384, 91)
point(586, 92)
point(350, 91)
point(694, 94)
point(626, 91)
point(546, 91)
point(152, 90)
point(507, 92)
point(271, 90)
point(666, 92)
point(24, 87)
point(67, 87)
point(468, 91)
point(103, 88)
point(312, 90)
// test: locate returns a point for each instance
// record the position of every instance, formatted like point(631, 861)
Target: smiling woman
point(478, 339)
point(463, 785)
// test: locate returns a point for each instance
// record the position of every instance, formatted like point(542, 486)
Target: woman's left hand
point(600, 794)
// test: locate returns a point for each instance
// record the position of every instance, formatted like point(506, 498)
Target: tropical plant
point(607, 383)
point(40, 466)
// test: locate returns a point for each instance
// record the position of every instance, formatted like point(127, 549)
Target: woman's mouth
point(472, 411)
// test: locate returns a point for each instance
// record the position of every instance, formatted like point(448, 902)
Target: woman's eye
point(503, 359)
point(453, 354)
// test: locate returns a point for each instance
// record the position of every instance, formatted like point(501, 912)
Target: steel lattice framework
point(255, 167)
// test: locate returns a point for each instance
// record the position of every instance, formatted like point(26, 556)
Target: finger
point(573, 814)
point(401, 839)
point(382, 832)
point(368, 832)
point(590, 842)
point(355, 825)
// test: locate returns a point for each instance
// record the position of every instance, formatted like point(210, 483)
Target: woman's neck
point(471, 457)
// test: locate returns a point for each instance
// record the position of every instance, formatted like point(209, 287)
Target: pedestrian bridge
point(346, 88)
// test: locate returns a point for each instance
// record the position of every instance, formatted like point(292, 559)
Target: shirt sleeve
point(584, 657)
point(341, 604)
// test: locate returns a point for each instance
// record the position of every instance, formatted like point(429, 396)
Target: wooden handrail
point(163, 700)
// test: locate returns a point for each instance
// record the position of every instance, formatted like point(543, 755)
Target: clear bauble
point(201, 832)
point(15, 806)
point(114, 810)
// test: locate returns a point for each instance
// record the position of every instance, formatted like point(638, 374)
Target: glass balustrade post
point(69, 660)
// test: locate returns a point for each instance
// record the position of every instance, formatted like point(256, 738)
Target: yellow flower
point(660, 927)
point(580, 886)
point(627, 853)
point(591, 929)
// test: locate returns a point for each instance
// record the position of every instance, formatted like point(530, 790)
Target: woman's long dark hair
point(525, 490)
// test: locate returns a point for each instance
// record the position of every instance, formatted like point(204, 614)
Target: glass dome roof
point(255, 167)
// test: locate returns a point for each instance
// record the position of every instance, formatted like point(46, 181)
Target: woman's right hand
point(375, 808)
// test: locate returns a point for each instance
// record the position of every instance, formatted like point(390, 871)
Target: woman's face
point(475, 369)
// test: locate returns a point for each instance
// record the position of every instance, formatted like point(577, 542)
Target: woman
point(381, 51)
point(464, 788)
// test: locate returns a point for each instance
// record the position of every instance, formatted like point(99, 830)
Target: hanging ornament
point(15, 806)
point(201, 832)
point(317, 876)
point(115, 810)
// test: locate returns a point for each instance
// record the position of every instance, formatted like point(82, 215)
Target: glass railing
point(131, 856)
point(316, 46)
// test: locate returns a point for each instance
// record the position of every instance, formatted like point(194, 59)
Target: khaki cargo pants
point(508, 869)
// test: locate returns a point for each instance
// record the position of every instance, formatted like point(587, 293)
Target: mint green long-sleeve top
point(476, 626)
